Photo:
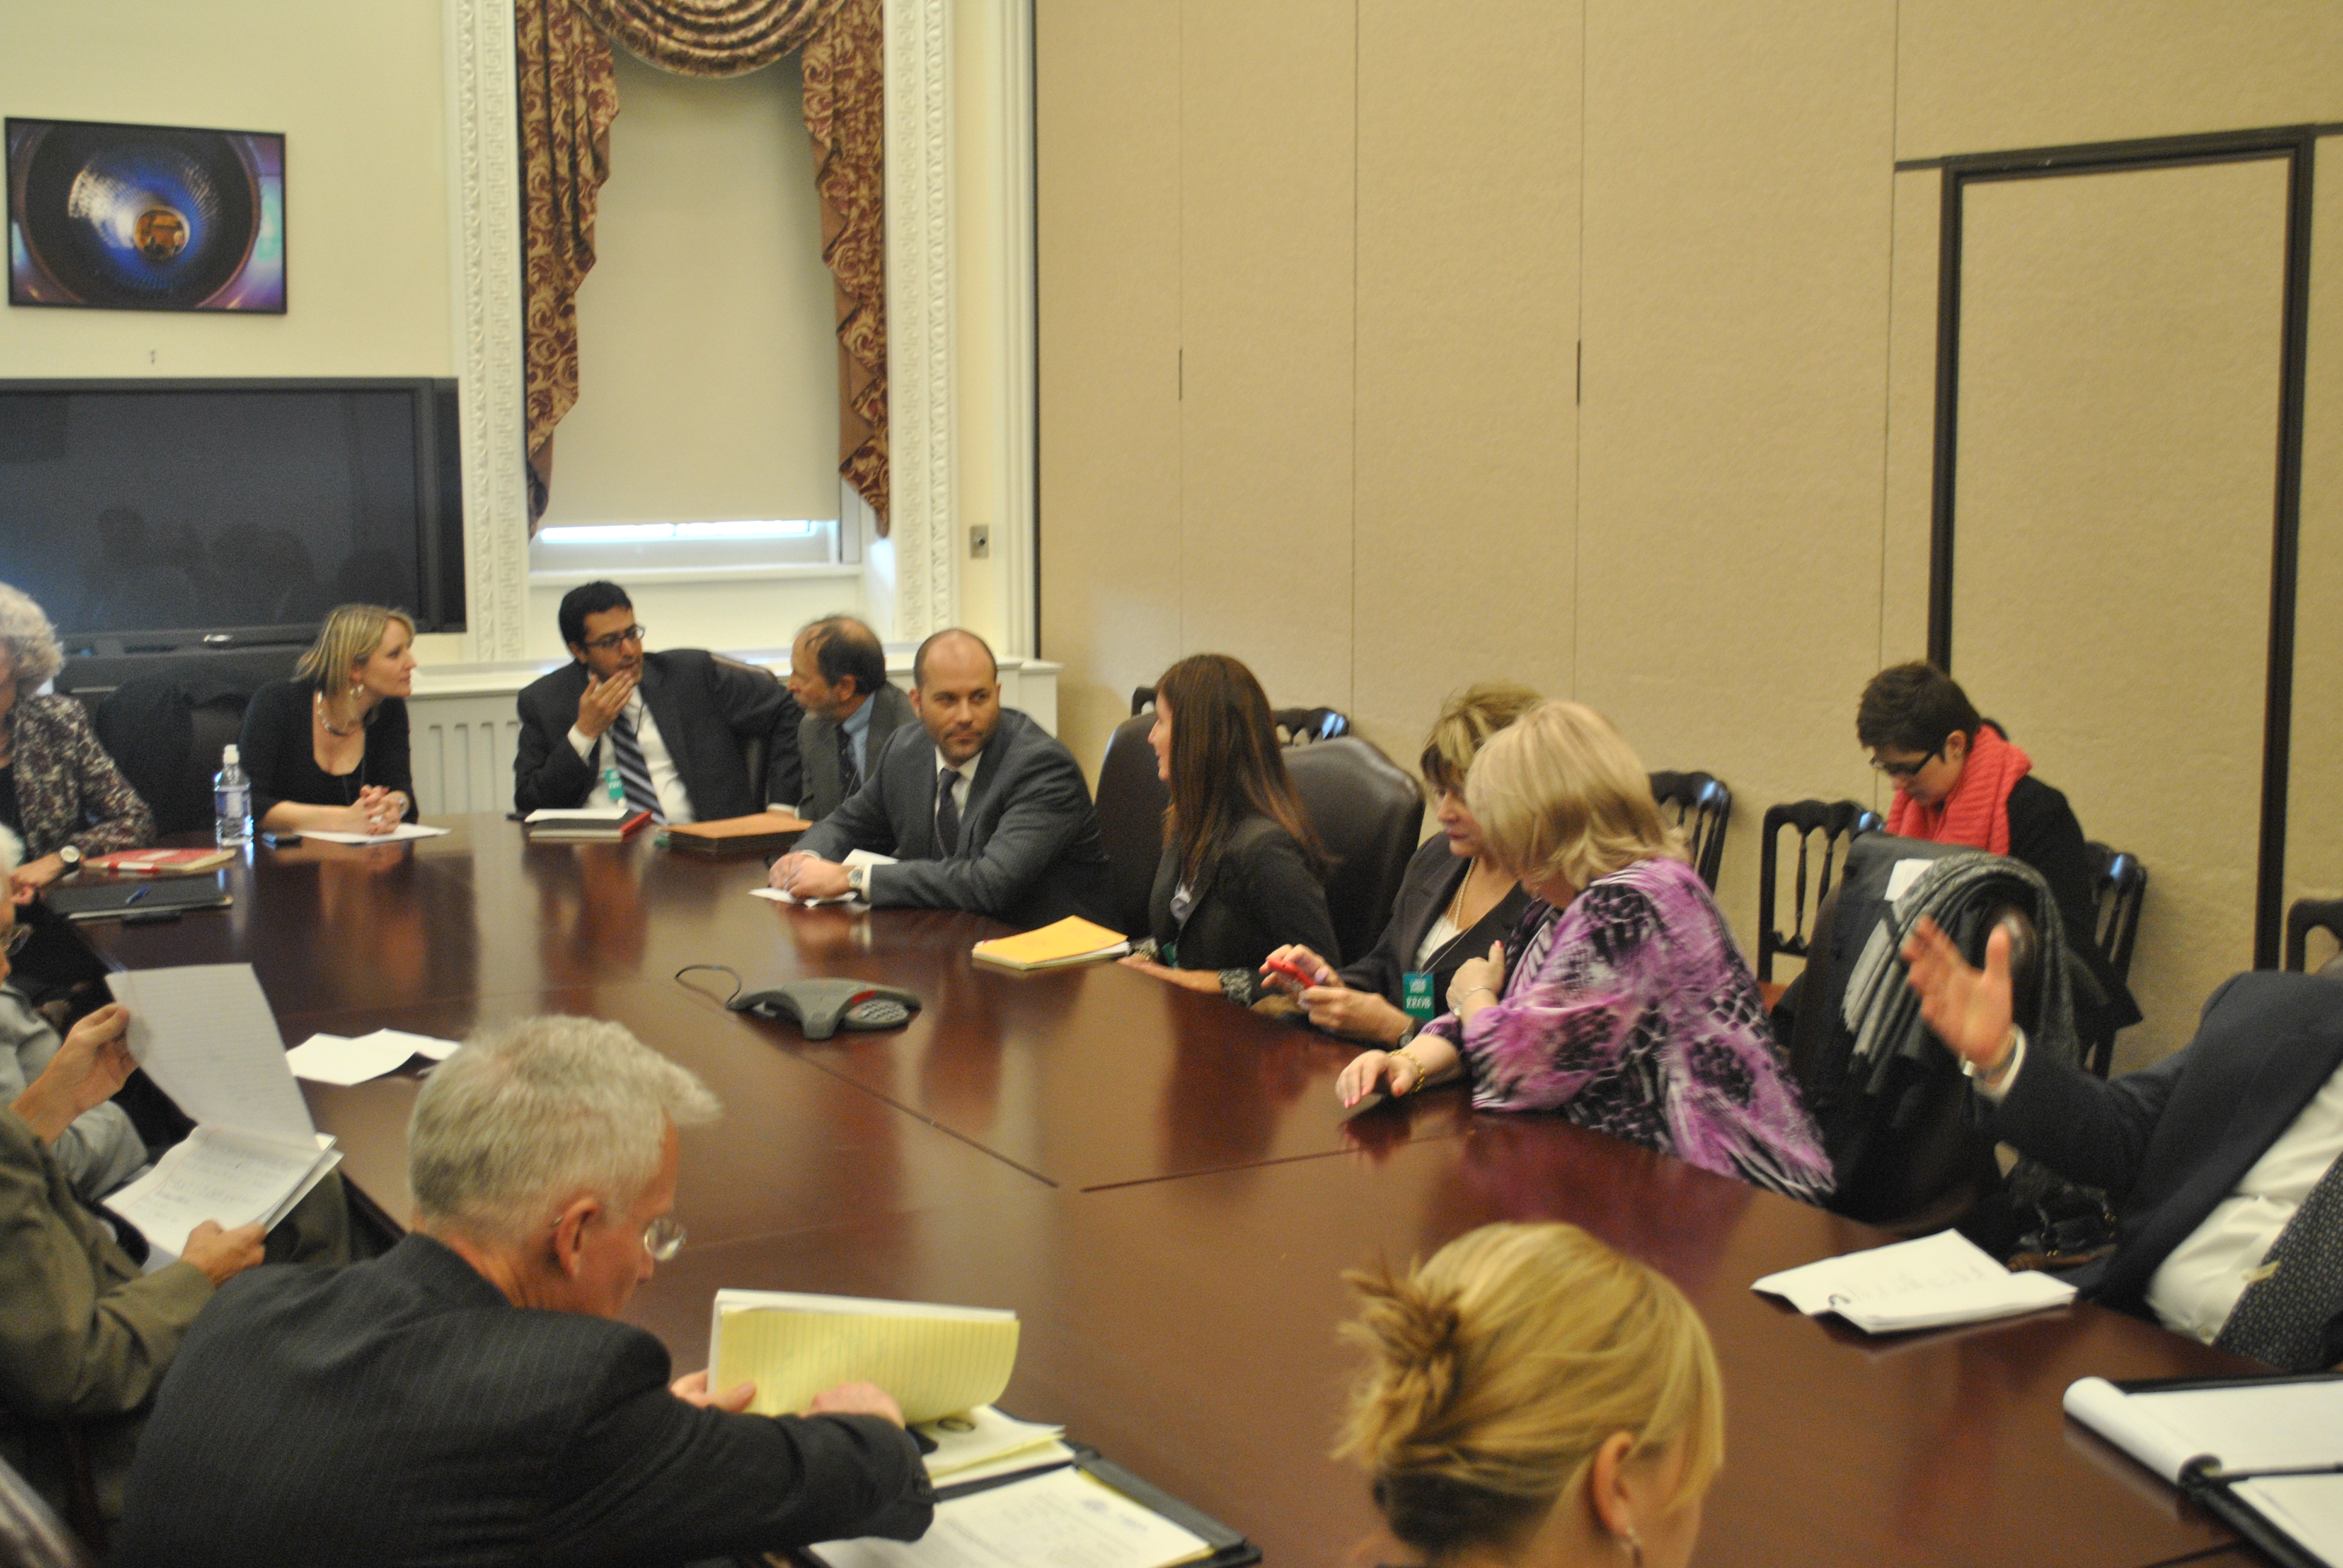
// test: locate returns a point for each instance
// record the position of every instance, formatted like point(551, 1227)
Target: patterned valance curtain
point(569, 97)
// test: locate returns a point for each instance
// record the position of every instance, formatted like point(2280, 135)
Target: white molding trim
point(484, 195)
point(1016, 536)
point(923, 510)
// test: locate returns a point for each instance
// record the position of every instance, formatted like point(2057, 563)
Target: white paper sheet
point(964, 1444)
point(1063, 1520)
point(2308, 1507)
point(402, 831)
point(204, 1033)
point(2270, 1425)
point(613, 812)
point(336, 1059)
point(428, 1046)
point(213, 1174)
point(1924, 1283)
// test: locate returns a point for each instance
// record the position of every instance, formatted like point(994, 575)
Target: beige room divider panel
point(2314, 845)
point(2120, 344)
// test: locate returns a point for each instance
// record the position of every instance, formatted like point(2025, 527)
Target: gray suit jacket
point(824, 788)
point(1029, 850)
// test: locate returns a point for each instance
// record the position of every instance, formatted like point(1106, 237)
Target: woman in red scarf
point(1960, 781)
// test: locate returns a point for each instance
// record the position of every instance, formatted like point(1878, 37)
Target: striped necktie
point(947, 816)
point(849, 777)
point(633, 772)
point(2282, 1317)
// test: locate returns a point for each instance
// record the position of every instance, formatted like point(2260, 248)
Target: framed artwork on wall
point(145, 217)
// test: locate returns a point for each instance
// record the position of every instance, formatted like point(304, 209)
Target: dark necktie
point(633, 772)
point(2282, 1317)
point(947, 816)
point(849, 777)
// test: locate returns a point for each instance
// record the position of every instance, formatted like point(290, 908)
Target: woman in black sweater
point(1452, 904)
point(1240, 868)
point(327, 750)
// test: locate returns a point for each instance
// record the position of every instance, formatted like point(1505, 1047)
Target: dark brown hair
point(1225, 761)
point(1913, 708)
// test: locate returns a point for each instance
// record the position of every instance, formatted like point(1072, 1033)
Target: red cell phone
point(1292, 971)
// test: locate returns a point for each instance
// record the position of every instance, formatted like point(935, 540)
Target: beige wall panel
point(2314, 847)
point(1267, 212)
point(1911, 424)
point(2119, 408)
point(1739, 196)
point(1467, 343)
point(1107, 157)
point(1977, 76)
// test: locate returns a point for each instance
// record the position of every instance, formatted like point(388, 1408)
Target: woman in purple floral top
point(1628, 1010)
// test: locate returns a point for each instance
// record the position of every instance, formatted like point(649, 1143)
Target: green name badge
point(1415, 996)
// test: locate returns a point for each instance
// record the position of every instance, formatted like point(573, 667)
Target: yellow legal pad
point(1072, 941)
point(935, 1361)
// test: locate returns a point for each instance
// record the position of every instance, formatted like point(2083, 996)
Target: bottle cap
point(230, 756)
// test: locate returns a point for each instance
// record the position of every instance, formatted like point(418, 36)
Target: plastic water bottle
point(232, 799)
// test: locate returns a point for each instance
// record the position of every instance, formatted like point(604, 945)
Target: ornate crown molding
point(487, 239)
point(924, 508)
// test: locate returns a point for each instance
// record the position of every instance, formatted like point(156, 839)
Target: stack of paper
point(336, 1059)
point(1067, 1518)
point(853, 858)
point(206, 1036)
point(1072, 941)
point(935, 1361)
point(983, 1442)
point(593, 825)
point(1925, 1284)
point(402, 831)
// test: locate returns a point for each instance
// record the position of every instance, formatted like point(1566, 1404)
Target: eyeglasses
point(617, 639)
point(17, 938)
point(663, 1238)
point(1900, 771)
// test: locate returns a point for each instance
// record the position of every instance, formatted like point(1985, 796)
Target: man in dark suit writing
point(838, 673)
point(2221, 1158)
point(468, 1397)
point(673, 724)
point(981, 808)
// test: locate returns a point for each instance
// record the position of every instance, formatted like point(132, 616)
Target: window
point(641, 550)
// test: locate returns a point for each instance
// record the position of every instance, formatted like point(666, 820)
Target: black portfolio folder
point(131, 896)
point(2215, 1490)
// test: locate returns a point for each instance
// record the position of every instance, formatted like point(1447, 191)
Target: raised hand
point(602, 701)
point(1968, 1009)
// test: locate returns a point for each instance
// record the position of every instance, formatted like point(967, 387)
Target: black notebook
point(111, 900)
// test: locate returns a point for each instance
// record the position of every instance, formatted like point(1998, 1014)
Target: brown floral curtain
point(569, 97)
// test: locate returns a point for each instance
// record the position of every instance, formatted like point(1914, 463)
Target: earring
point(1632, 1544)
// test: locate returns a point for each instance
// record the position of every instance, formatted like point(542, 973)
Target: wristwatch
point(857, 882)
point(71, 859)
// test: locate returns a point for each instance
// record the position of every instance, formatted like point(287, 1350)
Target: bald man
point(982, 810)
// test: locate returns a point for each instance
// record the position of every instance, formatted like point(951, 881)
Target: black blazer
point(2043, 834)
point(706, 710)
point(277, 754)
point(1255, 896)
point(1029, 850)
point(824, 788)
point(401, 1410)
point(2172, 1141)
point(1424, 893)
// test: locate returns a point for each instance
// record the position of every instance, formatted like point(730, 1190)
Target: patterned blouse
point(68, 790)
point(1631, 1013)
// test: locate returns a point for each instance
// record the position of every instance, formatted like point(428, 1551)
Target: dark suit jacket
point(706, 710)
point(1030, 851)
point(2170, 1141)
point(2043, 834)
point(401, 1410)
point(1255, 896)
point(1424, 892)
point(824, 788)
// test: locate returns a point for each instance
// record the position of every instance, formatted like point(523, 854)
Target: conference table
point(1164, 1188)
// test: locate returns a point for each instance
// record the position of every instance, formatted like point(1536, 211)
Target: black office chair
point(2326, 915)
point(1369, 813)
point(1305, 725)
point(1130, 803)
point(754, 751)
point(2119, 884)
point(1831, 820)
point(165, 730)
point(31, 1534)
point(1702, 806)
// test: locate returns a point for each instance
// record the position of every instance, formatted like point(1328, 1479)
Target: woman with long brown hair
point(1240, 867)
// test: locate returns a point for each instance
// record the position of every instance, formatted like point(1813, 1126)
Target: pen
point(134, 896)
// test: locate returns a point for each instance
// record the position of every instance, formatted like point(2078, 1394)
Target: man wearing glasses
point(470, 1396)
point(672, 726)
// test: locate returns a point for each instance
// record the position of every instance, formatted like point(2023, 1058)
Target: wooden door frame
point(2298, 146)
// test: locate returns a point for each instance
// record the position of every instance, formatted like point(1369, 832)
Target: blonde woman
point(59, 790)
point(1533, 1399)
point(1452, 902)
point(1631, 1012)
point(327, 750)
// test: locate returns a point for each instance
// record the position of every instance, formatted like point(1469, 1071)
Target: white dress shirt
point(2195, 1288)
point(667, 782)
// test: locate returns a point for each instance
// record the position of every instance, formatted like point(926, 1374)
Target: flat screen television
point(156, 517)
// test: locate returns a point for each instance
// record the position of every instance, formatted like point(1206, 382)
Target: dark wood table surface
point(1162, 1187)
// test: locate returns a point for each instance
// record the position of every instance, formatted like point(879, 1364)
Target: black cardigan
point(277, 756)
point(1255, 896)
point(2044, 833)
point(1424, 892)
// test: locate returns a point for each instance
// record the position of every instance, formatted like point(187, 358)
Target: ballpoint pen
point(136, 895)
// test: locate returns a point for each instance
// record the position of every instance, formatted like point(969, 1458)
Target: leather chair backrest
point(165, 730)
point(753, 747)
point(1131, 802)
point(1369, 813)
